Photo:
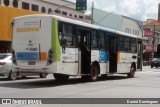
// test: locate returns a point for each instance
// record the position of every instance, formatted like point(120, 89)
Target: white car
point(6, 68)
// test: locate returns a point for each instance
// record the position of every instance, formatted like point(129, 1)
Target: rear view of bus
point(31, 44)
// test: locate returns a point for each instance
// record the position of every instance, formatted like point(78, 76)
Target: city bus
point(65, 47)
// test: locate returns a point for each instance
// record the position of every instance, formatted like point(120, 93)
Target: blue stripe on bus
point(104, 56)
point(27, 56)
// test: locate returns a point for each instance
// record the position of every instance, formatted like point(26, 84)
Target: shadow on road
point(19, 78)
point(43, 83)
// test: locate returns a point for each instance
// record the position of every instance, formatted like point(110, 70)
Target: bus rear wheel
point(61, 77)
point(132, 72)
point(94, 72)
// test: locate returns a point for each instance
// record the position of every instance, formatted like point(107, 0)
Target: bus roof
point(80, 23)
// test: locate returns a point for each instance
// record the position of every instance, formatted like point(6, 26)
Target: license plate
point(31, 63)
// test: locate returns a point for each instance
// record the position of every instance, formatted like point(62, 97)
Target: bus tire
point(61, 77)
point(12, 75)
point(43, 75)
point(132, 71)
point(94, 72)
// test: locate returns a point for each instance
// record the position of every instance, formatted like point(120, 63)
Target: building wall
point(130, 26)
point(13, 8)
point(53, 5)
point(117, 22)
point(107, 19)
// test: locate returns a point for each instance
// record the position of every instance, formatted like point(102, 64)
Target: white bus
point(65, 47)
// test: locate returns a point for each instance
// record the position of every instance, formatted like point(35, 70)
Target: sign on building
point(148, 33)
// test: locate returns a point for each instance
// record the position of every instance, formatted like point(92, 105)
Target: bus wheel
point(61, 77)
point(12, 75)
point(132, 72)
point(94, 72)
point(43, 75)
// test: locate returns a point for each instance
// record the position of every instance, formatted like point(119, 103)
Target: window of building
point(94, 42)
point(67, 35)
point(6, 2)
point(128, 30)
point(43, 9)
point(64, 13)
point(137, 32)
point(15, 3)
point(58, 11)
point(25, 5)
point(34, 7)
point(49, 11)
point(133, 31)
point(81, 17)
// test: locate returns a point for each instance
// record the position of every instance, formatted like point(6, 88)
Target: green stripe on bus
point(54, 40)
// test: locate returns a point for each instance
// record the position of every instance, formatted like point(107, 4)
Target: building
point(13, 8)
point(117, 22)
point(62, 7)
point(151, 38)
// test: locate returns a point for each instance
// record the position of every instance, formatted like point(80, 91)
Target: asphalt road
point(146, 84)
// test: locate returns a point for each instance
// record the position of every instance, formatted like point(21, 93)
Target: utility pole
point(153, 40)
point(92, 21)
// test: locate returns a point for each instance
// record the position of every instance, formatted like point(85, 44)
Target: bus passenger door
point(84, 51)
point(112, 54)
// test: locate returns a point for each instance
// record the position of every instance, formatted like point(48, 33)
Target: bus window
point(106, 42)
point(133, 45)
point(121, 44)
point(126, 44)
point(94, 43)
point(101, 41)
point(67, 35)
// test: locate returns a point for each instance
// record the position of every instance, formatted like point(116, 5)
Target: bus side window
point(133, 45)
point(121, 44)
point(94, 42)
point(67, 37)
point(127, 44)
point(106, 42)
point(101, 41)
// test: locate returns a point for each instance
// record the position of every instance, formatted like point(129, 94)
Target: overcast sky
point(137, 9)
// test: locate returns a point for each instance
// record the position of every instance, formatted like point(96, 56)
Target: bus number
point(33, 49)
